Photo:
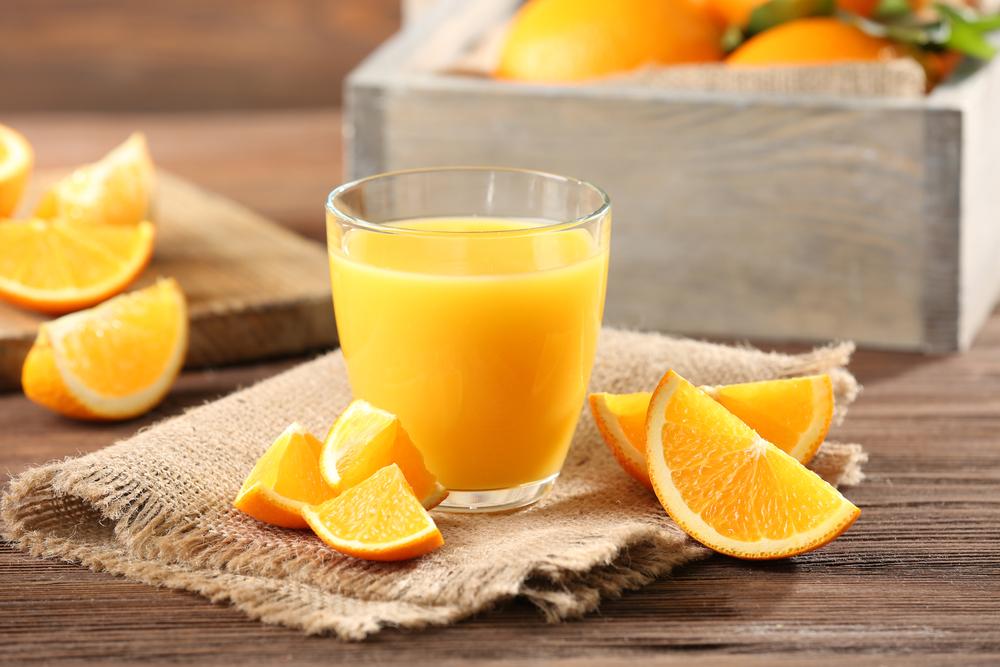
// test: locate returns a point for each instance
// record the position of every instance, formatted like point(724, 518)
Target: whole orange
point(812, 41)
point(572, 40)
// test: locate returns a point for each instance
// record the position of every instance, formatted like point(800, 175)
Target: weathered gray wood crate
point(747, 216)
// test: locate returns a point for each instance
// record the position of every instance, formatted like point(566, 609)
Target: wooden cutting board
point(254, 289)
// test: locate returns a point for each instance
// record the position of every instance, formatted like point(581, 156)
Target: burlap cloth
point(156, 507)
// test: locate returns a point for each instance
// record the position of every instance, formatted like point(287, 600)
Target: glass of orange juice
point(468, 302)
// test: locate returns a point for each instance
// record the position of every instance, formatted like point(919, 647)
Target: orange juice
point(479, 333)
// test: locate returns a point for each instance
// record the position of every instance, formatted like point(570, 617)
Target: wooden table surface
point(917, 579)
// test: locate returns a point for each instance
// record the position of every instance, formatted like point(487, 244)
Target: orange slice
point(114, 361)
point(365, 439)
point(56, 267)
point(730, 489)
point(793, 413)
point(285, 480)
point(16, 160)
point(115, 190)
point(379, 519)
point(621, 419)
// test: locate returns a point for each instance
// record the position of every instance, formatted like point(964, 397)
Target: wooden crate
point(748, 216)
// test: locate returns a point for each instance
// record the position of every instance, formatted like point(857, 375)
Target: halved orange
point(378, 519)
point(115, 190)
point(621, 419)
point(365, 439)
point(16, 160)
point(56, 267)
point(115, 361)
point(729, 488)
point(285, 480)
point(793, 413)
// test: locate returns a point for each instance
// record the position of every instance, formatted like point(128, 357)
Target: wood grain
point(762, 215)
point(254, 289)
point(184, 54)
point(915, 581)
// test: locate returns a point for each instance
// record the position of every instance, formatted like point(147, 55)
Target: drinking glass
point(468, 302)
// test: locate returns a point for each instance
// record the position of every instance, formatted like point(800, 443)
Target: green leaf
point(906, 29)
point(986, 23)
point(891, 9)
point(776, 12)
point(964, 35)
point(732, 38)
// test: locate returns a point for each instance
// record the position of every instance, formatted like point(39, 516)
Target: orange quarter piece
point(115, 190)
point(378, 519)
point(729, 488)
point(285, 480)
point(114, 361)
point(365, 439)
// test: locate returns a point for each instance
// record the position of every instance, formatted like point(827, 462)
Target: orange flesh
point(724, 473)
point(366, 439)
point(55, 266)
point(93, 351)
point(379, 519)
point(284, 480)
point(783, 411)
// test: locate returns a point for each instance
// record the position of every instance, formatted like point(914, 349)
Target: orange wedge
point(16, 160)
point(379, 519)
point(621, 419)
point(56, 267)
point(285, 480)
point(730, 489)
point(365, 439)
point(793, 413)
point(115, 361)
point(115, 190)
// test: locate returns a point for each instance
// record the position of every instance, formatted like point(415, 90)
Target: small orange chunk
point(378, 519)
point(116, 190)
point(365, 439)
point(285, 480)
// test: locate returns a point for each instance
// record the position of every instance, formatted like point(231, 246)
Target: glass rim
point(597, 213)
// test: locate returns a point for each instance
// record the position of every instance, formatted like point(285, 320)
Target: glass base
point(497, 500)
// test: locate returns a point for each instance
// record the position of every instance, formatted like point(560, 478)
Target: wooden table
point(918, 576)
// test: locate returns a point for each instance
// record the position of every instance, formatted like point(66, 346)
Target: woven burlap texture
point(157, 507)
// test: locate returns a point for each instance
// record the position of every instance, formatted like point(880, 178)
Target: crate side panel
point(771, 221)
point(979, 101)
